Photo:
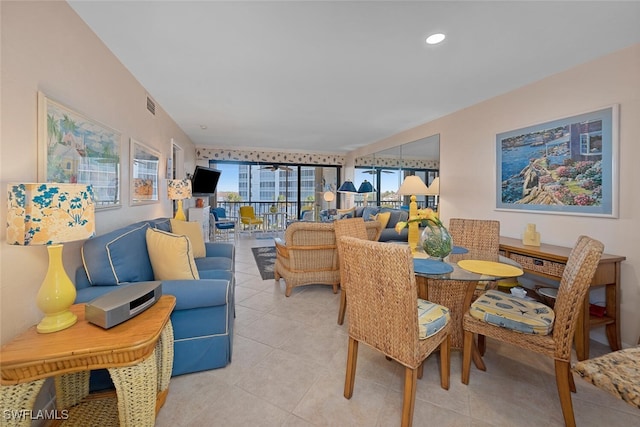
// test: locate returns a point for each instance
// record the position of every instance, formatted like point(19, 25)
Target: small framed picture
point(145, 168)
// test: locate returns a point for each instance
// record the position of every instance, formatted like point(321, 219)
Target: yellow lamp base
point(56, 294)
point(57, 322)
point(180, 216)
point(413, 236)
point(414, 231)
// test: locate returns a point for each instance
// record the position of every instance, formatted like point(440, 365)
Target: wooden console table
point(138, 354)
point(549, 261)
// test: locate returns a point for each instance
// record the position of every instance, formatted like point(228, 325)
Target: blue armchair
point(221, 224)
point(204, 313)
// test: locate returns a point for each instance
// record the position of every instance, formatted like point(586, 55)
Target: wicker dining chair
point(383, 314)
point(477, 235)
point(576, 278)
point(481, 235)
point(354, 227)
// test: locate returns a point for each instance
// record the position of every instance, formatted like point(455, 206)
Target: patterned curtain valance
point(268, 157)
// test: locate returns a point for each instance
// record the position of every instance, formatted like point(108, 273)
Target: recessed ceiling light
point(435, 38)
point(203, 127)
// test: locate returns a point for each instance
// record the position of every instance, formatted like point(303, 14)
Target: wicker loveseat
point(308, 254)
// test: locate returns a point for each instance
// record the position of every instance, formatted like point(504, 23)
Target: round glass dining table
point(446, 283)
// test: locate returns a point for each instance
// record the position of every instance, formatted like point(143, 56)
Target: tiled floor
point(289, 362)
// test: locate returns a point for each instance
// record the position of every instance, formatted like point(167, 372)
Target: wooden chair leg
point(572, 384)
point(482, 344)
point(563, 370)
point(335, 288)
point(421, 369)
point(350, 377)
point(408, 403)
point(466, 356)
point(445, 362)
point(343, 307)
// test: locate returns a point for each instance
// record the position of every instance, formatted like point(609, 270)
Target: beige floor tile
point(247, 354)
point(281, 379)
point(269, 329)
point(325, 405)
point(243, 292)
point(425, 414)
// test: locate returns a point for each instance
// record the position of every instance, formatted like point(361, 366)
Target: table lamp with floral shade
point(51, 214)
point(179, 189)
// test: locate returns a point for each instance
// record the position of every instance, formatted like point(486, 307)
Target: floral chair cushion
point(518, 314)
point(431, 318)
point(617, 372)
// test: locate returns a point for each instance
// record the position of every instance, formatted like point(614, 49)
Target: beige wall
point(468, 166)
point(47, 47)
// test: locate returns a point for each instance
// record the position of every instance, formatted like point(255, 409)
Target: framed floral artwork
point(73, 148)
point(566, 166)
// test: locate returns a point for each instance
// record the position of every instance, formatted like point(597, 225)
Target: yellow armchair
point(249, 219)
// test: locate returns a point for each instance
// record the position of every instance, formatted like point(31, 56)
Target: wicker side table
point(137, 353)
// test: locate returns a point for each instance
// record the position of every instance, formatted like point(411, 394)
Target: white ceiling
point(334, 76)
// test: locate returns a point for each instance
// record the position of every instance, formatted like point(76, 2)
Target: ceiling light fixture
point(203, 127)
point(435, 38)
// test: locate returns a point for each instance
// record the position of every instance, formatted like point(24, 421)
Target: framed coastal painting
point(73, 148)
point(145, 169)
point(567, 166)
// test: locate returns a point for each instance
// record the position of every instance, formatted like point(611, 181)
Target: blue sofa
point(388, 233)
point(203, 317)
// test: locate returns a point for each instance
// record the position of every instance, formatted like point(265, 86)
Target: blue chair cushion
point(518, 314)
point(431, 318)
point(108, 259)
point(225, 225)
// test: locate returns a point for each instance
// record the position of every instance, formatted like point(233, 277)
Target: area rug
point(265, 257)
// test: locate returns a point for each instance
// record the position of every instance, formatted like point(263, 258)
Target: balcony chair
point(386, 314)
point(249, 219)
point(222, 225)
point(531, 325)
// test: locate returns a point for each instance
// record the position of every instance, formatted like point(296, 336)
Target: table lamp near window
point(434, 190)
point(179, 189)
point(51, 214)
point(411, 186)
point(347, 187)
point(365, 188)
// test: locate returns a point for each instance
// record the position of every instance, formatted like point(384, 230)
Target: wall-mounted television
point(204, 181)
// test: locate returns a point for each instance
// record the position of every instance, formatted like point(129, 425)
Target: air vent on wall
point(151, 105)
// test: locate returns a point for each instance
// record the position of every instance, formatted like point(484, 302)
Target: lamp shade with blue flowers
point(49, 213)
point(178, 189)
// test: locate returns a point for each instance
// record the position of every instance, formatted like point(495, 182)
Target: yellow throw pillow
point(383, 218)
point(193, 231)
point(171, 256)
